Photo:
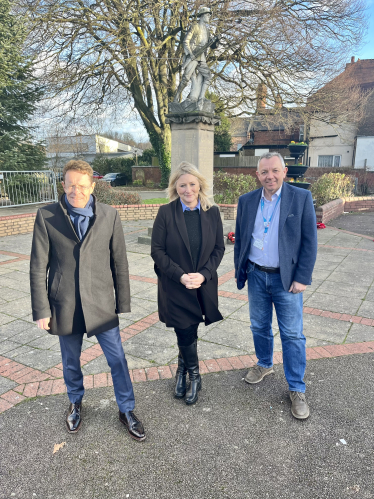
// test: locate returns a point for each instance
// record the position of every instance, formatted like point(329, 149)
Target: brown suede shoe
point(299, 407)
point(257, 374)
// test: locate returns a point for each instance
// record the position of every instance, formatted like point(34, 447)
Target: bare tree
point(99, 53)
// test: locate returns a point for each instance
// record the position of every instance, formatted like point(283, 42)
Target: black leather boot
point(191, 361)
point(181, 385)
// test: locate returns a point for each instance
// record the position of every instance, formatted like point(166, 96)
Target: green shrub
point(332, 186)
point(106, 194)
point(228, 188)
point(150, 184)
point(138, 182)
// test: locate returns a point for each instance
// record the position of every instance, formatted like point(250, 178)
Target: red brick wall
point(329, 211)
point(22, 224)
point(238, 140)
point(17, 224)
point(272, 137)
point(334, 209)
point(364, 203)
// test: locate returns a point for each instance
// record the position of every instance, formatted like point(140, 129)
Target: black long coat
point(74, 281)
point(178, 306)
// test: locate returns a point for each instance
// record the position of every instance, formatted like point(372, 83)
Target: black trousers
point(186, 336)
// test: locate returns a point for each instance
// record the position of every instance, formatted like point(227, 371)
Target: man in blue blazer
point(275, 250)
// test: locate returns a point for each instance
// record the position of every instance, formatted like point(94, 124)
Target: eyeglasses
point(79, 188)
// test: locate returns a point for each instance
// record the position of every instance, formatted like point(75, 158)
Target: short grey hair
point(269, 155)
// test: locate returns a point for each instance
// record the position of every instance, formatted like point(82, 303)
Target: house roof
point(362, 72)
point(239, 127)
point(279, 121)
point(366, 126)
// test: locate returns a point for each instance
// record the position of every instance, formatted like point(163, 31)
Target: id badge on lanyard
point(259, 243)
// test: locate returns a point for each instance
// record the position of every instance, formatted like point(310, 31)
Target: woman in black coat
point(187, 248)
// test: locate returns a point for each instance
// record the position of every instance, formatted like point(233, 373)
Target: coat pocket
point(55, 286)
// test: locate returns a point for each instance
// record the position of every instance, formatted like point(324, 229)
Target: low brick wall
point(138, 211)
point(17, 224)
point(330, 210)
point(334, 209)
point(364, 203)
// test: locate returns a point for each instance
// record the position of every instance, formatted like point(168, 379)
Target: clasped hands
point(193, 280)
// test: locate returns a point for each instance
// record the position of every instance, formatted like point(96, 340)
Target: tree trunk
point(161, 143)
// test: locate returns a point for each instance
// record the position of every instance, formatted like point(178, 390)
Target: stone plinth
point(192, 140)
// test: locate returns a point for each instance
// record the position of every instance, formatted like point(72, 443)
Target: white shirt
point(269, 255)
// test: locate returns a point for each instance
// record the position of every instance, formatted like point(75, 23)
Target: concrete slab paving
point(353, 290)
point(334, 303)
point(324, 328)
point(6, 384)
point(367, 309)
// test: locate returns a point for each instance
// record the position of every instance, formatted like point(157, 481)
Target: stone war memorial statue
point(192, 120)
point(194, 66)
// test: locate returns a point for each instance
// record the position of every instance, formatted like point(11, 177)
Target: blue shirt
point(184, 207)
point(269, 255)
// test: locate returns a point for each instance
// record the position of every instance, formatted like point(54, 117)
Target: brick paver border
point(57, 386)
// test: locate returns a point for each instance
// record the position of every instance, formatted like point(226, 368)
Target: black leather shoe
point(181, 385)
point(74, 418)
point(192, 364)
point(133, 425)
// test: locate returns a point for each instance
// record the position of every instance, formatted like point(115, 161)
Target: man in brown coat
point(79, 248)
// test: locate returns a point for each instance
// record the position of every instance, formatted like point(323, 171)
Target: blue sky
point(367, 49)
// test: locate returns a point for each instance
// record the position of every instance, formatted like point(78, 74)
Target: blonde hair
point(186, 168)
point(80, 166)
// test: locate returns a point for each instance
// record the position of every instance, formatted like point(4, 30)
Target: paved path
point(339, 317)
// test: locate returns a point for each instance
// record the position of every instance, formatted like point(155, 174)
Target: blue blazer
point(297, 241)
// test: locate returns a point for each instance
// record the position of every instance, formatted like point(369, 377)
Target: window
point(301, 133)
point(329, 161)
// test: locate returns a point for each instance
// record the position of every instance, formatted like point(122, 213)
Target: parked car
point(97, 175)
point(115, 179)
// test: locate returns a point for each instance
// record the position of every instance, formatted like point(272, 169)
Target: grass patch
point(155, 201)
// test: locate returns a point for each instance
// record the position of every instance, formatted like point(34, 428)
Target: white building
point(330, 146)
point(86, 147)
point(348, 145)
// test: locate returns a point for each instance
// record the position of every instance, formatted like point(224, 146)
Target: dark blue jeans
point(264, 290)
point(110, 342)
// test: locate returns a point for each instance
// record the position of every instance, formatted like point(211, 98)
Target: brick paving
point(338, 311)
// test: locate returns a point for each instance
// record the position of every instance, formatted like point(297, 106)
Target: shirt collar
point(278, 193)
point(186, 208)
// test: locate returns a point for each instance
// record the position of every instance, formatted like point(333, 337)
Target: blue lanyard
point(267, 223)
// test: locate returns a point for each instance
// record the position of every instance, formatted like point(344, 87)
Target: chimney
point(261, 96)
point(352, 59)
point(278, 102)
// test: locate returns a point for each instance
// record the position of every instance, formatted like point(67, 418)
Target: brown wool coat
point(79, 283)
point(178, 306)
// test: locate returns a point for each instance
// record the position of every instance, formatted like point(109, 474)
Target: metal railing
point(27, 187)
